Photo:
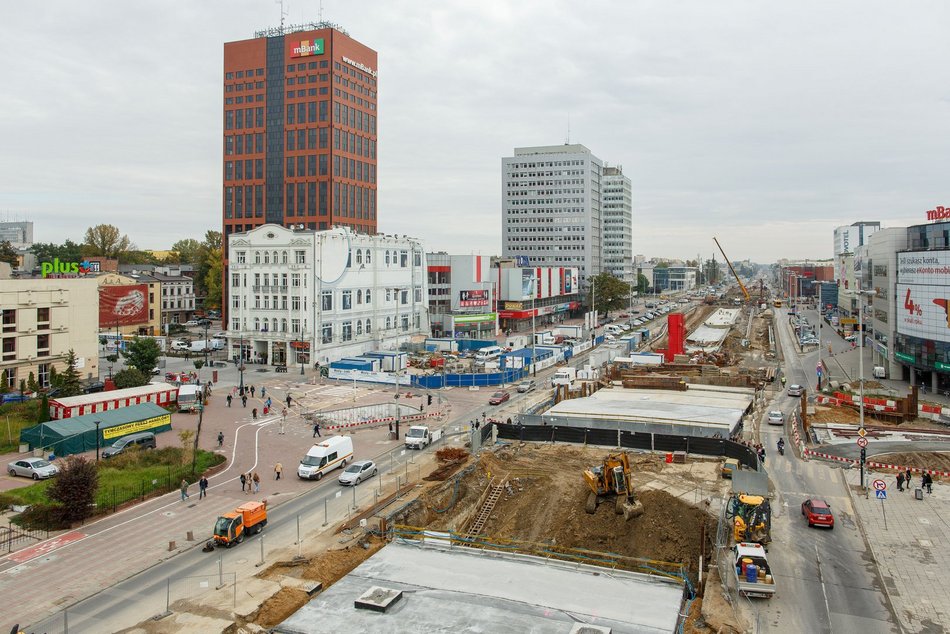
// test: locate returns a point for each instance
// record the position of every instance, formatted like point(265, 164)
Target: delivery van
point(333, 452)
point(879, 373)
point(489, 353)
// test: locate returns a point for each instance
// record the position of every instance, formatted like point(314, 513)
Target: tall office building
point(299, 131)
point(617, 213)
point(552, 208)
point(848, 238)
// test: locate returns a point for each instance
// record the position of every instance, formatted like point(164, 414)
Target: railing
point(13, 537)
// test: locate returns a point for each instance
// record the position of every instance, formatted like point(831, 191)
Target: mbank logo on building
point(307, 48)
point(57, 268)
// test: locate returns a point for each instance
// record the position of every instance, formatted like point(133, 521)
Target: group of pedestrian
point(250, 482)
point(202, 488)
point(904, 480)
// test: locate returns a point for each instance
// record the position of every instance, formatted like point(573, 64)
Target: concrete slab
point(468, 590)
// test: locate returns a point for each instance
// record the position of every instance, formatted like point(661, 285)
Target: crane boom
point(734, 274)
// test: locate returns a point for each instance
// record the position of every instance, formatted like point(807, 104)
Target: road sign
point(862, 442)
point(862, 432)
point(881, 495)
point(879, 485)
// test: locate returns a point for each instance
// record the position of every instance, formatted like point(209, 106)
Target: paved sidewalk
point(908, 540)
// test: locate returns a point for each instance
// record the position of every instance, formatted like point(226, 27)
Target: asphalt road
point(826, 580)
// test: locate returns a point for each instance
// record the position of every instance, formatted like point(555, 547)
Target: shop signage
point(514, 306)
point(347, 60)
point(904, 357)
point(923, 311)
point(68, 269)
point(942, 366)
point(471, 319)
point(940, 213)
point(923, 267)
point(473, 298)
point(306, 48)
point(131, 428)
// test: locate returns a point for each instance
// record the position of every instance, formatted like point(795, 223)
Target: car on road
point(498, 398)
point(795, 389)
point(357, 472)
point(851, 337)
point(156, 371)
point(181, 344)
point(36, 468)
point(204, 321)
point(818, 513)
point(220, 335)
point(776, 417)
point(191, 323)
point(526, 386)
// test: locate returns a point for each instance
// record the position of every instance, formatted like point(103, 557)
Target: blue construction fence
point(717, 447)
point(436, 381)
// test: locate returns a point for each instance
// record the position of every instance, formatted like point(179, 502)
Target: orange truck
point(247, 519)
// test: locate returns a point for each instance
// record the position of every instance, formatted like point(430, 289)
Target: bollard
point(171, 545)
point(190, 536)
point(354, 497)
point(326, 515)
point(220, 573)
point(298, 530)
point(375, 497)
point(261, 562)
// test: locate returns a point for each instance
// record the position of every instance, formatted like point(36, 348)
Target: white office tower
point(552, 208)
point(617, 213)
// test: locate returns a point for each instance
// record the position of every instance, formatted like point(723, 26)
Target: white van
point(333, 452)
point(879, 372)
point(487, 354)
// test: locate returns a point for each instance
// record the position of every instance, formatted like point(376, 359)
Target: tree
point(642, 283)
point(142, 353)
point(189, 251)
point(31, 383)
point(209, 258)
point(130, 377)
point(8, 254)
point(69, 251)
point(43, 414)
point(611, 293)
point(69, 384)
point(106, 241)
point(213, 290)
point(75, 488)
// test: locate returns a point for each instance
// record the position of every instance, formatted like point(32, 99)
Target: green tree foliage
point(8, 254)
point(42, 415)
point(137, 257)
point(31, 383)
point(611, 293)
point(68, 251)
point(130, 377)
point(189, 251)
point(142, 353)
point(68, 381)
point(106, 241)
point(74, 489)
point(213, 291)
point(642, 283)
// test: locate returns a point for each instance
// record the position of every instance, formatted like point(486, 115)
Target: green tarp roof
point(78, 434)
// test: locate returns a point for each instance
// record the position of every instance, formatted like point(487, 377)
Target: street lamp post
point(861, 371)
point(241, 364)
point(98, 422)
point(206, 344)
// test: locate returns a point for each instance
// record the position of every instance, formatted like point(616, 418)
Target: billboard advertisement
point(922, 311)
point(473, 298)
point(527, 283)
point(123, 305)
point(924, 267)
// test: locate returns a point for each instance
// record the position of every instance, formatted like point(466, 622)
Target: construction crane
point(734, 274)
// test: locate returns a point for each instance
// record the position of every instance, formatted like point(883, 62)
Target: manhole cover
point(168, 514)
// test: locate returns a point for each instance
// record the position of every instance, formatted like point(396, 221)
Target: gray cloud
point(764, 124)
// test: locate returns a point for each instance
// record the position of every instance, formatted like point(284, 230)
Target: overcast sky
point(766, 124)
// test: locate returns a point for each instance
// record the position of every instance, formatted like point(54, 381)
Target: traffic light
point(429, 396)
point(864, 454)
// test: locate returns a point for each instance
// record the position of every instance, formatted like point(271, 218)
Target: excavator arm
point(745, 291)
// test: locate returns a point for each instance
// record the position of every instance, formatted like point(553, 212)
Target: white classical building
point(332, 293)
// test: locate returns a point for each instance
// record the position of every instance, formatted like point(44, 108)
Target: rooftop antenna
point(282, 13)
point(320, 13)
point(568, 141)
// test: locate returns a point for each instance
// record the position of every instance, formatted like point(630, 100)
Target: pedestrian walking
point(244, 401)
point(927, 482)
point(267, 403)
point(907, 479)
point(202, 487)
point(243, 483)
point(184, 490)
point(252, 391)
point(316, 430)
point(220, 439)
point(390, 427)
point(257, 482)
point(288, 400)
point(283, 419)
point(900, 480)
point(277, 470)
point(254, 413)
point(263, 390)
point(229, 400)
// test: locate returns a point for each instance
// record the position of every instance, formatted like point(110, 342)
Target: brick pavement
point(909, 544)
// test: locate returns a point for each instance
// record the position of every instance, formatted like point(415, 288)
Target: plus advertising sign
point(879, 485)
point(862, 442)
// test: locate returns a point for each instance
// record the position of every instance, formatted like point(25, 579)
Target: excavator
point(612, 478)
point(752, 518)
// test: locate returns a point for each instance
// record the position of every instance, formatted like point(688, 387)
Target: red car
point(818, 513)
point(498, 398)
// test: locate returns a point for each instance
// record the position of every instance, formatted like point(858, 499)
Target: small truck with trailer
point(420, 436)
point(248, 519)
point(751, 568)
point(564, 376)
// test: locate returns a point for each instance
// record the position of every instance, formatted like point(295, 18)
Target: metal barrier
point(13, 537)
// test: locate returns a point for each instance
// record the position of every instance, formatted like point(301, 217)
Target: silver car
point(357, 472)
point(36, 468)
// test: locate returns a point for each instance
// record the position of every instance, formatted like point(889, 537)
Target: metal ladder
point(485, 512)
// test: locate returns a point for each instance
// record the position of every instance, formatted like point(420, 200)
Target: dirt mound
point(280, 606)
point(332, 565)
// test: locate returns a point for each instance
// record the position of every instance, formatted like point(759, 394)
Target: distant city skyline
point(758, 124)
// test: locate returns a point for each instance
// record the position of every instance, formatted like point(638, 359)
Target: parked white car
point(36, 468)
